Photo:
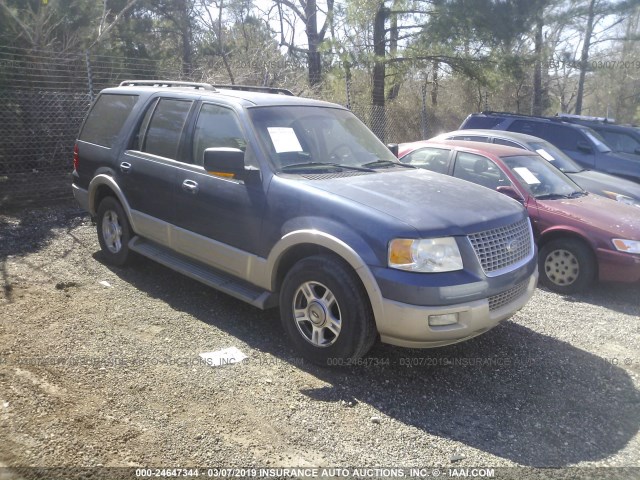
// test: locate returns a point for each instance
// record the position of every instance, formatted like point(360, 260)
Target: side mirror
point(228, 162)
point(584, 147)
point(394, 148)
point(509, 191)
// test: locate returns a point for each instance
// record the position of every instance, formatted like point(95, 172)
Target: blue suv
point(293, 203)
point(581, 143)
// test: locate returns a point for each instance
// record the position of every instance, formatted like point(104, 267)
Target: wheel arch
point(102, 186)
point(558, 233)
point(304, 243)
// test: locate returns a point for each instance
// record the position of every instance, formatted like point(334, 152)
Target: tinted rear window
point(481, 122)
point(106, 119)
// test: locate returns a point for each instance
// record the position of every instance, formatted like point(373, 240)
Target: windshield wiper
point(386, 164)
point(321, 165)
point(551, 196)
point(577, 193)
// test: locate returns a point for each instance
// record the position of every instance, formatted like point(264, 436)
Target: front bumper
point(618, 266)
point(407, 325)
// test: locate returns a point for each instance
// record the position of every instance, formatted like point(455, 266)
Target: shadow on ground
point(512, 392)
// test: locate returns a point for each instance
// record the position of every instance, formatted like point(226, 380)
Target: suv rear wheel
point(114, 232)
point(566, 265)
point(325, 311)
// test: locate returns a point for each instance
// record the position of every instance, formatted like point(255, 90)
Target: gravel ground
point(99, 366)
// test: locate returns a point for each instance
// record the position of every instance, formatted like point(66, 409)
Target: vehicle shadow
point(513, 393)
point(621, 297)
point(30, 229)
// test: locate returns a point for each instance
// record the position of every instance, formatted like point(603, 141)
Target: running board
point(209, 276)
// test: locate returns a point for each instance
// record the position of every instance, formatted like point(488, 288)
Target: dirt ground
point(100, 366)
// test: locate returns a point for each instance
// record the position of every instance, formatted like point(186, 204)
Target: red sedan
point(581, 237)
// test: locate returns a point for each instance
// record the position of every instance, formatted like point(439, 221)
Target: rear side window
point(481, 122)
point(161, 135)
point(565, 138)
point(530, 128)
point(106, 119)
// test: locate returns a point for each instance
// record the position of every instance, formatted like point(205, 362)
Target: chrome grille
point(503, 298)
point(503, 247)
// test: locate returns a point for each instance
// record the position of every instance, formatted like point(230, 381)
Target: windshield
point(301, 139)
point(540, 179)
point(557, 157)
point(599, 142)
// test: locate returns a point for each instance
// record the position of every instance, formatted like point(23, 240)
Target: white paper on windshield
point(284, 139)
point(544, 154)
point(526, 175)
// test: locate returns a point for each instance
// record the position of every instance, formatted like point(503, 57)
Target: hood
point(599, 182)
point(592, 211)
point(432, 203)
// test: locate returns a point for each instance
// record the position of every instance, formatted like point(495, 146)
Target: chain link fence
point(44, 96)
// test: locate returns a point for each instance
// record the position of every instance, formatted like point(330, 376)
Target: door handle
point(125, 167)
point(190, 186)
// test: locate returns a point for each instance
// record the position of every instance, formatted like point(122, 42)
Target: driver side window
point(216, 127)
point(479, 170)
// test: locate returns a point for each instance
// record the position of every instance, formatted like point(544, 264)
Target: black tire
point(114, 232)
point(325, 288)
point(566, 265)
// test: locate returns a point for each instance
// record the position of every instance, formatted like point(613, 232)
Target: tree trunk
point(537, 107)
point(434, 88)
point(378, 122)
point(584, 57)
point(313, 56)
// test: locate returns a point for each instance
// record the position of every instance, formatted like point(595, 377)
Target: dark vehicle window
point(106, 119)
point(434, 159)
point(479, 170)
point(508, 143)
point(620, 142)
point(530, 128)
point(162, 137)
point(482, 122)
point(216, 127)
point(565, 138)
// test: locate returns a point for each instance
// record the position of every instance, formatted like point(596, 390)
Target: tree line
point(455, 56)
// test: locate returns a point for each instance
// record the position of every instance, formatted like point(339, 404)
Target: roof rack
point(491, 112)
point(586, 118)
point(166, 83)
point(252, 88)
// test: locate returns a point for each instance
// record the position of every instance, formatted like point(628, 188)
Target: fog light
point(445, 319)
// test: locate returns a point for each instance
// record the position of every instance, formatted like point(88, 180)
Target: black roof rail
point(586, 118)
point(253, 88)
point(491, 112)
point(166, 83)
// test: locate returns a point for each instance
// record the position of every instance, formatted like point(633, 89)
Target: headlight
point(627, 200)
point(618, 197)
point(425, 255)
point(627, 246)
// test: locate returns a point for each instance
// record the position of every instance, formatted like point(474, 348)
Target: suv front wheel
point(325, 311)
point(114, 232)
